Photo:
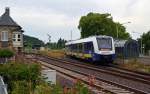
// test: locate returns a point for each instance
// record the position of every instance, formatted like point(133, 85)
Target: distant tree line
point(60, 44)
point(30, 41)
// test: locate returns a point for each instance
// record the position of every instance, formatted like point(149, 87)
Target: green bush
point(24, 78)
point(81, 89)
point(18, 72)
point(45, 88)
point(20, 87)
point(6, 53)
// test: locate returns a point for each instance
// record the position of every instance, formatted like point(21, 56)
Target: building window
point(4, 35)
point(18, 35)
point(14, 36)
point(18, 39)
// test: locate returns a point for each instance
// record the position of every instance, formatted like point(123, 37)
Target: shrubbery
point(135, 65)
point(16, 74)
point(6, 53)
point(24, 78)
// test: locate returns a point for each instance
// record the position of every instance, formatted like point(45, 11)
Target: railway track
point(97, 71)
point(116, 70)
point(96, 88)
point(99, 87)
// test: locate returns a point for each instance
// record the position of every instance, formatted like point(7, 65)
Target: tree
point(146, 41)
point(61, 43)
point(57, 45)
point(29, 41)
point(101, 24)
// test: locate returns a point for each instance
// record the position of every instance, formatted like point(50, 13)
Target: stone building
point(11, 34)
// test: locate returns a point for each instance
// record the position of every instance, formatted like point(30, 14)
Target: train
point(95, 48)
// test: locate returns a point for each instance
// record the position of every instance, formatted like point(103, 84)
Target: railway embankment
point(134, 78)
point(141, 64)
point(138, 64)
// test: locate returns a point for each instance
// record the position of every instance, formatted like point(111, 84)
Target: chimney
point(7, 10)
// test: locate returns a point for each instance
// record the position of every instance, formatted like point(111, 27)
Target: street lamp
point(117, 27)
point(142, 46)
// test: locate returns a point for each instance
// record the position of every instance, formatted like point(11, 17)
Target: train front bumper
point(99, 57)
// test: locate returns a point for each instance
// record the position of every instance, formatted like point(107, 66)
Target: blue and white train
point(95, 48)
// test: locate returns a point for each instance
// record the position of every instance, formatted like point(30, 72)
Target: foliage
point(16, 73)
point(81, 89)
point(134, 64)
point(31, 41)
point(61, 43)
point(146, 41)
point(53, 53)
point(57, 45)
point(26, 79)
point(56, 89)
point(6, 53)
point(20, 87)
point(101, 24)
point(44, 88)
point(19, 71)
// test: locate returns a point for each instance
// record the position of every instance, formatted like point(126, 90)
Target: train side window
point(74, 47)
point(80, 47)
point(68, 47)
point(85, 47)
point(88, 46)
point(71, 47)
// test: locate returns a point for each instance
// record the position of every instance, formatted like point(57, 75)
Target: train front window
point(104, 43)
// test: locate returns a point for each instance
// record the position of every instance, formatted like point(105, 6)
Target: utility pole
point(71, 35)
point(49, 39)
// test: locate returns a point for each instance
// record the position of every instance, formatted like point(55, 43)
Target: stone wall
point(10, 37)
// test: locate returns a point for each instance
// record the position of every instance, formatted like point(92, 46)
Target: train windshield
point(104, 43)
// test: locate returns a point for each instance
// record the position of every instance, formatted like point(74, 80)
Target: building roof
point(119, 43)
point(6, 20)
point(123, 43)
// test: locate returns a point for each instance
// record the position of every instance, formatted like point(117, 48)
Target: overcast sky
point(58, 17)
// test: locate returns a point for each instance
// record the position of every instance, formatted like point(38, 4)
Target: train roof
point(92, 38)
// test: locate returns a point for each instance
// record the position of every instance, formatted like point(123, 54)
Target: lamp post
point(140, 42)
point(117, 27)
